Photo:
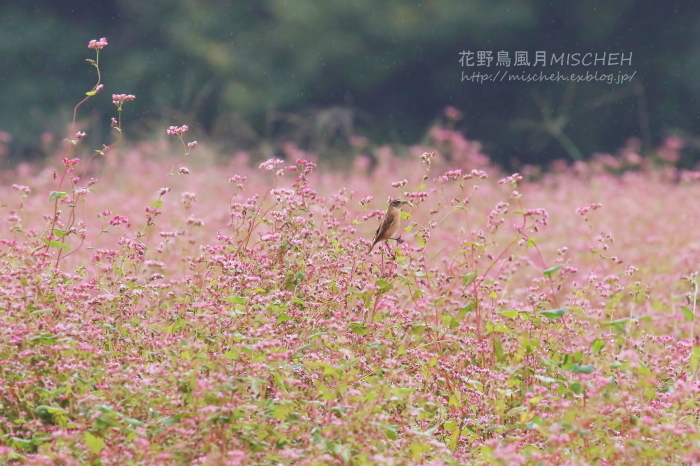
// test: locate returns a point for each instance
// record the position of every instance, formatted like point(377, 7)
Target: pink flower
point(177, 130)
point(587, 208)
point(270, 164)
point(119, 220)
point(184, 170)
point(21, 188)
point(427, 157)
point(512, 179)
point(98, 44)
point(119, 99)
point(192, 144)
point(453, 113)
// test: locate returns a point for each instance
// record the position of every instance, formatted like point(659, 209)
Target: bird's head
point(398, 203)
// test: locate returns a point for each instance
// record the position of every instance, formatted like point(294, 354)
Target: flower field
point(174, 310)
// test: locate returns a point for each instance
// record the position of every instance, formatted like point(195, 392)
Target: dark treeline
point(318, 71)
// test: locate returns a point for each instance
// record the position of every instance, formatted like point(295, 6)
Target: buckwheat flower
point(99, 88)
point(80, 135)
point(192, 144)
point(21, 188)
point(118, 220)
point(427, 157)
point(82, 191)
point(366, 200)
point(114, 123)
point(512, 179)
point(197, 222)
point(453, 113)
point(75, 179)
point(98, 44)
point(271, 237)
point(70, 162)
point(399, 184)
point(119, 99)
point(270, 164)
point(177, 130)
point(588, 207)
point(476, 174)
point(162, 191)
point(184, 170)
point(237, 178)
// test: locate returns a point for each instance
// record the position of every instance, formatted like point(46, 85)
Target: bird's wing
point(385, 226)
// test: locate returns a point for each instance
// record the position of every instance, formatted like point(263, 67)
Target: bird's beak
point(408, 202)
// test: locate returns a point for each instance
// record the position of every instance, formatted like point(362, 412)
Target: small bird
point(390, 224)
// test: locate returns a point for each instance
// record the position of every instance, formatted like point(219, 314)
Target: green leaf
point(405, 215)
point(383, 285)
point(421, 187)
point(91, 93)
point(598, 346)
point(555, 313)
point(576, 388)
point(55, 244)
point(512, 313)
point(57, 195)
point(617, 322)
point(468, 278)
point(391, 433)
point(552, 270)
point(694, 359)
point(283, 318)
point(157, 205)
point(358, 328)
point(689, 315)
point(94, 443)
point(585, 369)
point(236, 299)
point(49, 409)
point(133, 422)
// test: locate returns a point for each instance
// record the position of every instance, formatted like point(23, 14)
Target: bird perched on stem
point(390, 224)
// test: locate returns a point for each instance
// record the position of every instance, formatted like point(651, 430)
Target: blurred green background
point(317, 71)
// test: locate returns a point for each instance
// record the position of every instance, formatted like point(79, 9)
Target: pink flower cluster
point(119, 99)
point(177, 130)
point(98, 44)
point(119, 220)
